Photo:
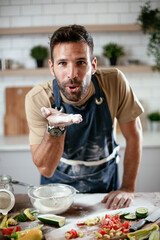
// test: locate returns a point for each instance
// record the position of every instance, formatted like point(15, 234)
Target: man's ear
point(51, 67)
point(94, 65)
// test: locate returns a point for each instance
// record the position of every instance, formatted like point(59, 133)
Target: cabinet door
point(19, 165)
point(148, 175)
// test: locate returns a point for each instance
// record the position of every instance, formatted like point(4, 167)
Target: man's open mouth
point(73, 88)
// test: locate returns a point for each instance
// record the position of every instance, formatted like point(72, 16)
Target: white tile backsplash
point(4, 2)
point(4, 22)
point(26, 13)
point(100, 8)
point(67, 19)
point(82, 19)
point(53, 9)
point(31, 10)
point(75, 8)
point(20, 2)
point(128, 18)
point(118, 7)
point(9, 11)
point(109, 18)
point(21, 21)
point(44, 20)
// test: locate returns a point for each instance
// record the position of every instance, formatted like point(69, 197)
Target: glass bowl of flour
point(52, 198)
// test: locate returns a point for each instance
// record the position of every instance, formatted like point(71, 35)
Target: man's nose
point(72, 71)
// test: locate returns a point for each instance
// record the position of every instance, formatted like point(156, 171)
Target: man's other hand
point(118, 199)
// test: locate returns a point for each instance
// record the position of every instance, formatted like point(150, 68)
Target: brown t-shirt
point(122, 102)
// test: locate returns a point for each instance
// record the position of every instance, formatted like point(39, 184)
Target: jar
point(6, 182)
point(7, 201)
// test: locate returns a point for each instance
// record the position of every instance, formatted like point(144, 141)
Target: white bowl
point(52, 198)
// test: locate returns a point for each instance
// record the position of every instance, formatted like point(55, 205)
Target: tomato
point(108, 216)
point(126, 224)
point(101, 231)
point(80, 223)
point(73, 234)
point(116, 226)
point(8, 231)
point(125, 230)
point(116, 219)
point(106, 223)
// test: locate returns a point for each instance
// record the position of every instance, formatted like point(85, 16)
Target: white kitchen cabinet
point(149, 172)
point(19, 165)
point(148, 179)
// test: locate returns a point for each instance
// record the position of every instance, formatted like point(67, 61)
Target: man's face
point(72, 68)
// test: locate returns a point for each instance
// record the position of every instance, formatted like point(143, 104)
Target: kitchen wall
point(28, 13)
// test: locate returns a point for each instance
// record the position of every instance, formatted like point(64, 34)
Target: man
point(71, 121)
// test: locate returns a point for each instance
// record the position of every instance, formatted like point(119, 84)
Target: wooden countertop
point(85, 205)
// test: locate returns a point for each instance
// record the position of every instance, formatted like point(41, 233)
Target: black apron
point(90, 151)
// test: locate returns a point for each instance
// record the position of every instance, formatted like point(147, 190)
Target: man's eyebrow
point(65, 59)
point(81, 59)
point(61, 60)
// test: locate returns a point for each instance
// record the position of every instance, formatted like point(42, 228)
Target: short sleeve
point(38, 97)
point(129, 107)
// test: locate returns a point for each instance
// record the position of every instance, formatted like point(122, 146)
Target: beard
point(73, 89)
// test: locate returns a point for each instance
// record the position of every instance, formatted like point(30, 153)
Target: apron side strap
point(96, 86)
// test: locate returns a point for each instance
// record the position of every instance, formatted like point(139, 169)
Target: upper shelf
point(45, 71)
point(49, 29)
point(25, 72)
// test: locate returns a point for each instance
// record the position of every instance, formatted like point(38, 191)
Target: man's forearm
point(47, 155)
point(131, 162)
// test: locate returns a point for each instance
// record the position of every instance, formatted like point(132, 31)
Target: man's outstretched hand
point(58, 119)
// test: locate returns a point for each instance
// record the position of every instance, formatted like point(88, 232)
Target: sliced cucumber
point(141, 212)
point(52, 219)
point(122, 215)
point(118, 213)
point(130, 217)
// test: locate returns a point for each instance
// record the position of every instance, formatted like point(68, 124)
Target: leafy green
point(150, 20)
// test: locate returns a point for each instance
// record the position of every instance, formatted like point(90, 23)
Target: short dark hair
point(71, 33)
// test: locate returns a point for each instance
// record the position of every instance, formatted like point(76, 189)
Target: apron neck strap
point(57, 96)
point(96, 86)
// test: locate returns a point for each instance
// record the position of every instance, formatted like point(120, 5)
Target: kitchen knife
point(151, 218)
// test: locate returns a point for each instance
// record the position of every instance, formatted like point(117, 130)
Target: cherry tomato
point(101, 231)
point(8, 231)
point(73, 234)
point(125, 230)
point(80, 223)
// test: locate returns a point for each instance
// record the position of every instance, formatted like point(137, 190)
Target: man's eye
point(80, 63)
point(62, 63)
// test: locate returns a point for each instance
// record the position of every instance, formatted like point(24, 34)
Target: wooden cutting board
point(15, 122)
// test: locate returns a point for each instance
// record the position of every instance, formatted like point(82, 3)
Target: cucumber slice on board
point(122, 215)
point(52, 219)
point(130, 217)
point(141, 212)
